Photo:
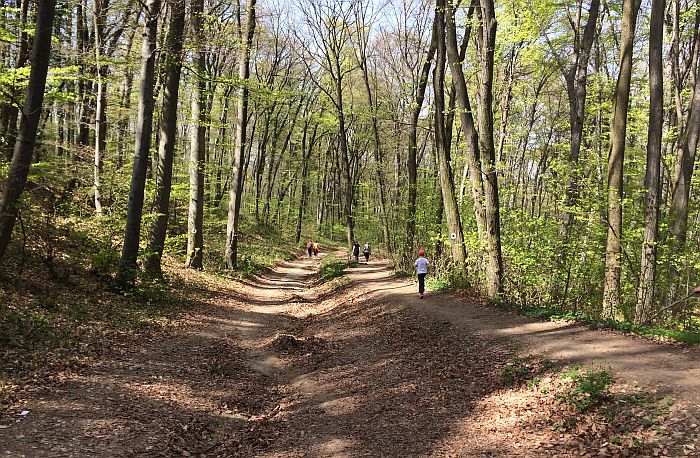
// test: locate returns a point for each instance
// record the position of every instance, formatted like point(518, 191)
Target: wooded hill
point(542, 152)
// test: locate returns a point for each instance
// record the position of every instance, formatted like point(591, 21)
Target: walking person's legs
point(421, 284)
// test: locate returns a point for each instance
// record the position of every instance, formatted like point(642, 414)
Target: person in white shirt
point(422, 270)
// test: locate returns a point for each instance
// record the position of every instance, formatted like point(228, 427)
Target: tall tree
point(473, 155)
point(8, 116)
point(195, 218)
point(686, 148)
point(652, 180)
point(126, 273)
point(418, 98)
point(363, 24)
point(167, 137)
point(31, 114)
point(454, 222)
point(330, 24)
point(618, 136)
point(486, 40)
point(237, 175)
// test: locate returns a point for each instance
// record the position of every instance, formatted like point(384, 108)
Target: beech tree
point(29, 123)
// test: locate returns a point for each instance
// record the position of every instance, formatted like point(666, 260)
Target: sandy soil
point(284, 366)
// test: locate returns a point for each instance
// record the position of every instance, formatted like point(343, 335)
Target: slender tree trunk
point(9, 124)
point(127, 264)
point(576, 89)
point(454, 224)
point(307, 148)
point(473, 155)
point(618, 133)
point(652, 181)
point(237, 177)
point(685, 163)
point(167, 138)
point(487, 40)
point(31, 114)
point(101, 108)
point(411, 162)
point(195, 217)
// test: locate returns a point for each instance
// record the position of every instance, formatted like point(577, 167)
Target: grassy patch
point(332, 267)
point(648, 331)
point(587, 389)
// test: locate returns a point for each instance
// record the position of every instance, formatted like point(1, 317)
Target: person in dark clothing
point(366, 251)
point(356, 251)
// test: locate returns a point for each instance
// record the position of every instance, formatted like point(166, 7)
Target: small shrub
point(588, 387)
point(104, 262)
point(515, 371)
point(438, 283)
point(331, 267)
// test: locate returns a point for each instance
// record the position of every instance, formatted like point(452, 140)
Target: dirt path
point(669, 369)
point(280, 366)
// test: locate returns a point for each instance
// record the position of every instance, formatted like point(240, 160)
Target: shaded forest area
point(543, 153)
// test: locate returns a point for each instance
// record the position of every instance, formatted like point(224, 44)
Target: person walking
point(421, 270)
point(356, 251)
point(309, 247)
point(366, 251)
point(315, 248)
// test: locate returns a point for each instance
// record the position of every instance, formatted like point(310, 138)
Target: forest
point(541, 152)
point(165, 166)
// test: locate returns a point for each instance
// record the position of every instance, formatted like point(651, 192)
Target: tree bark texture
point(126, 274)
point(454, 223)
point(237, 177)
point(167, 137)
point(29, 123)
point(652, 180)
point(195, 215)
point(487, 40)
point(618, 133)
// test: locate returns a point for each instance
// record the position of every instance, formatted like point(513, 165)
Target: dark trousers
point(421, 283)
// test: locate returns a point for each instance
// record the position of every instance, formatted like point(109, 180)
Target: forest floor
point(283, 365)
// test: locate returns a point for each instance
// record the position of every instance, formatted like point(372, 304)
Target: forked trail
point(282, 366)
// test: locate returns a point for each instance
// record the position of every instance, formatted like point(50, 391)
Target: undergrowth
point(648, 331)
point(582, 401)
point(332, 267)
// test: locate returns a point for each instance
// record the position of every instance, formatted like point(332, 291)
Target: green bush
point(588, 387)
point(516, 370)
point(331, 267)
point(438, 283)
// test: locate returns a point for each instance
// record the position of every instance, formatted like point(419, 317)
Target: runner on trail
point(315, 248)
point(309, 247)
point(421, 270)
point(366, 251)
point(356, 251)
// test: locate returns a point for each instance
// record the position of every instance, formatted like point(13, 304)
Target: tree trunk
point(645, 297)
point(685, 163)
point(31, 114)
point(195, 216)
point(411, 162)
point(11, 111)
point(167, 138)
point(473, 155)
point(576, 78)
point(237, 177)
point(487, 40)
point(101, 108)
point(618, 133)
point(454, 224)
point(307, 148)
point(127, 264)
